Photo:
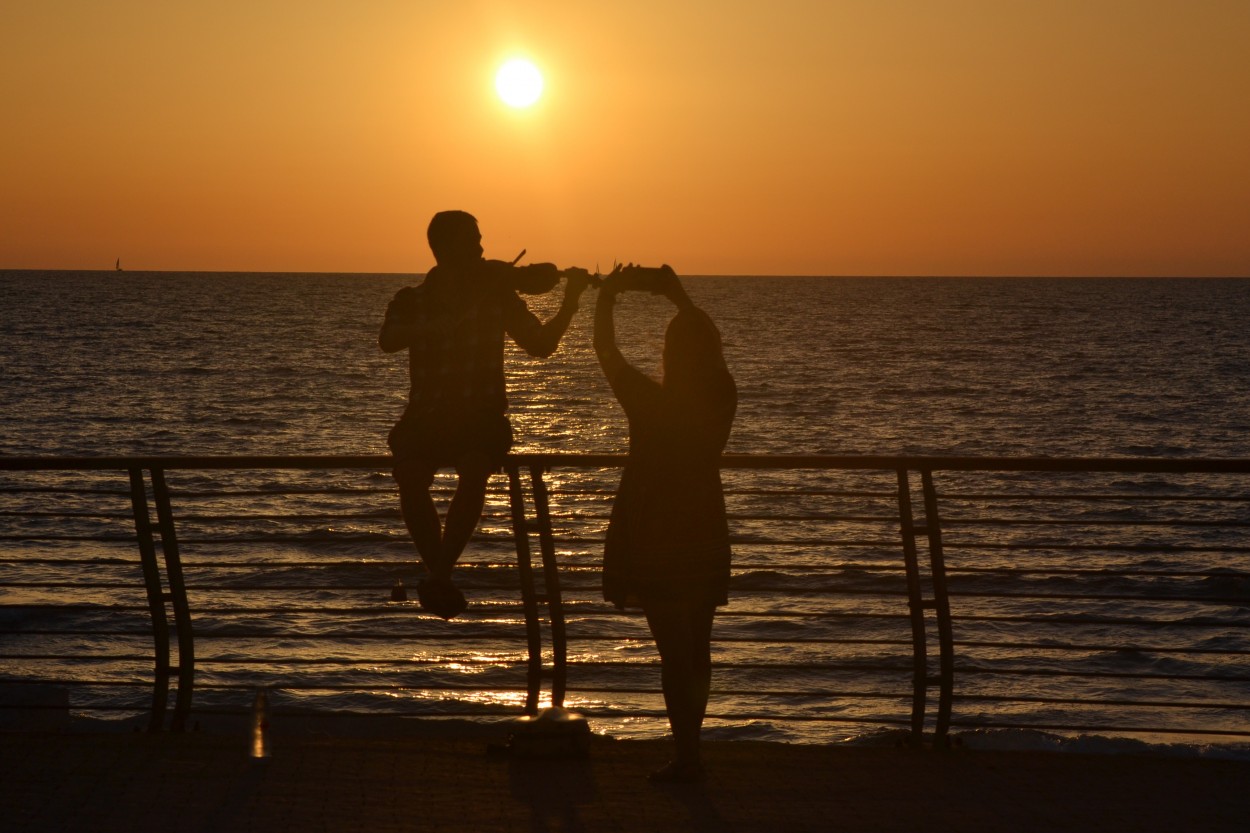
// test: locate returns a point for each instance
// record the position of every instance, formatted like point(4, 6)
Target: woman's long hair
point(694, 360)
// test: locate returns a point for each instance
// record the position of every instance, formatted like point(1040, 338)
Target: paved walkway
point(202, 781)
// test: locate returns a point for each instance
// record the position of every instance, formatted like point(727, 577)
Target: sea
point(289, 571)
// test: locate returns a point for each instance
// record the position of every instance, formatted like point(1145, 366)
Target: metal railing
point(929, 594)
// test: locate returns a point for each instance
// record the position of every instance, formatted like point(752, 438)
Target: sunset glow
point(796, 137)
point(519, 83)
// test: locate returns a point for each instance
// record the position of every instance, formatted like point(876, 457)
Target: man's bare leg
point(473, 471)
point(420, 514)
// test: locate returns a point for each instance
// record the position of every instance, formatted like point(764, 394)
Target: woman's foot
point(679, 772)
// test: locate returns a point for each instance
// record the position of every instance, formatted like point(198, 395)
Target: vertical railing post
point(178, 596)
point(942, 606)
point(156, 600)
point(551, 579)
point(529, 600)
point(915, 606)
point(917, 603)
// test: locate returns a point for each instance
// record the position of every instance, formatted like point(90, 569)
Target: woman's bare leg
point(683, 635)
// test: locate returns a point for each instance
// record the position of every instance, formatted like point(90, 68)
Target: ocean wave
point(750, 730)
point(1035, 740)
point(838, 579)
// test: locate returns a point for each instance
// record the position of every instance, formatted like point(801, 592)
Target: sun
point(519, 83)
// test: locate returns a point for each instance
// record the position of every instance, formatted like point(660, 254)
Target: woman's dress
point(668, 538)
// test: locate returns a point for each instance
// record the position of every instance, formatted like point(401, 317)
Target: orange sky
point(930, 137)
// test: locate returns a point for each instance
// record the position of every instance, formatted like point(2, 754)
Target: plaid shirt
point(455, 341)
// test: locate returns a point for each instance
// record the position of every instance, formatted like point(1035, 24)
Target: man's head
point(454, 238)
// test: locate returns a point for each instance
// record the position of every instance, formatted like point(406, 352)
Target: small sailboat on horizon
point(118, 265)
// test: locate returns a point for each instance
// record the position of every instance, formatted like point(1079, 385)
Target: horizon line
point(938, 276)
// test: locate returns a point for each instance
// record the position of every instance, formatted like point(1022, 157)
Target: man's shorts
point(441, 439)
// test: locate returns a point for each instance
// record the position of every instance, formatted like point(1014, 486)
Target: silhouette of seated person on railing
point(453, 326)
point(667, 548)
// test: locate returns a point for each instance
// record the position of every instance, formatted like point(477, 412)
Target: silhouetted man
point(453, 326)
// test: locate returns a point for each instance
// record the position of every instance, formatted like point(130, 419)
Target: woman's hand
point(613, 282)
point(639, 279)
point(665, 282)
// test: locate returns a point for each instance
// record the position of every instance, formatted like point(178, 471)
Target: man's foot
point(679, 772)
point(441, 597)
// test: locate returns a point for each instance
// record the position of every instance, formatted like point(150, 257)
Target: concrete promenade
point(203, 781)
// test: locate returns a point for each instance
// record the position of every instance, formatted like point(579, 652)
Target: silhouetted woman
point(668, 542)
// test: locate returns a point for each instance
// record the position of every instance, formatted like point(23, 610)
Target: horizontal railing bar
point(750, 692)
point(576, 613)
point(806, 543)
point(1143, 465)
point(812, 591)
point(821, 518)
point(754, 666)
point(368, 686)
point(87, 607)
point(740, 566)
point(398, 539)
point(409, 565)
point(44, 632)
point(76, 681)
point(345, 538)
point(112, 516)
point(69, 562)
point(651, 663)
point(1077, 701)
point(340, 517)
point(59, 490)
point(345, 662)
point(902, 615)
point(1109, 547)
point(281, 491)
point(766, 493)
point(98, 539)
point(948, 521)
point(394, 635)
point(78, 657)
point(1084, 497)
point(1072, 646)
point(495, 710)
point(368, 637)
point(1095, 620)
point(1103, 675)
point(1079, 571)
point(77, 585)
point(741, 540)
point(738, 569)
point(135, 709)
point(383, 589)
point(1220, 600)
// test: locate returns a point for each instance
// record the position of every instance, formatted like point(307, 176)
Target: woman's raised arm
point(610, 358)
